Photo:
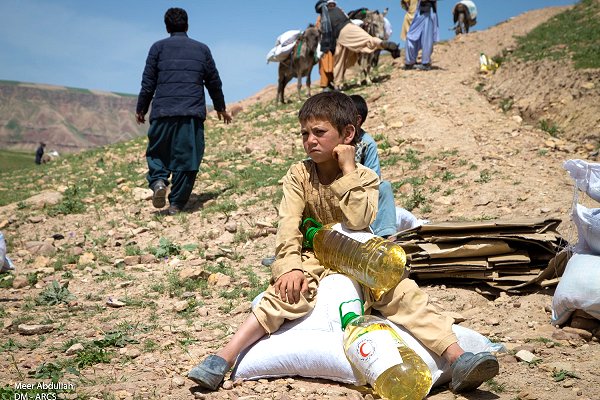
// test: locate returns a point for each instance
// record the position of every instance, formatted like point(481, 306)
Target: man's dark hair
point(361, 106)
point(176, 20)
point(335, 107)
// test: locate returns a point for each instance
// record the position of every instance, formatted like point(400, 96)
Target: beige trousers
point(351, 41)
point(405, 305)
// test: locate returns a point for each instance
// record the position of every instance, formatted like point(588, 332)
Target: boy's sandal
point(209, 373)
point(471, 370)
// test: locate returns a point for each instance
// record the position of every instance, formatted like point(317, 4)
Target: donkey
point(374, 25)
point(464, 15)
point(299, 63)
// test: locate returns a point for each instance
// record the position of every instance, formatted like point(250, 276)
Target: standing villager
point(39, 153)
point(177, 70)
point(410, 6)
point(350, 41)
point(327, 45)
point(423, 33)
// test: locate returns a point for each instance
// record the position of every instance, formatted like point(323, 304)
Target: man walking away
point(177, 70)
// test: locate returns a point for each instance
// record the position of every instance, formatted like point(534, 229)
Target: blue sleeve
point(370, 157)
point(213, 83)
point(149, 80)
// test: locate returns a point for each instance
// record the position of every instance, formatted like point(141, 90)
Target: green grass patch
point(14, 160)
point(573, 34)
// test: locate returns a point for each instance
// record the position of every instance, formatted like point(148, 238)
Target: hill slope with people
point(140, 297)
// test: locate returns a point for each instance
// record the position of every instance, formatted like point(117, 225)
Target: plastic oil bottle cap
point(347, 318)
point(352, 310)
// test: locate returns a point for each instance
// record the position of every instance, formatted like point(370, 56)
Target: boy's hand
point(290, 285)
point(344, 154)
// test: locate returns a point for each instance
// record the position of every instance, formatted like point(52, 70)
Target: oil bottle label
point(359, 236)
point(373, 353)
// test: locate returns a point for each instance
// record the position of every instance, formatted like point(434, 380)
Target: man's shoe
point(424, 67)
point(209, 373)
point(159, 194)
point(173, 210)
point(471, 370)
point(409, 66)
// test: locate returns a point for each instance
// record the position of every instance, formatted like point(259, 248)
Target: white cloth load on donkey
point(283, 45)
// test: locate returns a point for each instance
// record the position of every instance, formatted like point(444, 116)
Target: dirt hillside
point(448, 151)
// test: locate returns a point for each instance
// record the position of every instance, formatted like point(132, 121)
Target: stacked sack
point(283, 46)
point(578, 292)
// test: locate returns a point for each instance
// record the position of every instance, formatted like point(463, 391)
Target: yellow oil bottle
point(373, 261)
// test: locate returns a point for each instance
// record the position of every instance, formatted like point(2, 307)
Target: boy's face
point(319, 138)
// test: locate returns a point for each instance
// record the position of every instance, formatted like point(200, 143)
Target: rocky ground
point(154, 294)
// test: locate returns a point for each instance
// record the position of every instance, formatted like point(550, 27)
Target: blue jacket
point(177, 70)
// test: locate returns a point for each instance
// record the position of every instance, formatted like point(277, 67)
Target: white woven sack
point(578, 289)
point(587, 221)
point(586, 176)
point(283, 45)
point(312, 346)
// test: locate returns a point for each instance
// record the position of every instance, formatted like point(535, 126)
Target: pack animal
point(374, 25)
point(300, 62)
point(464, 15)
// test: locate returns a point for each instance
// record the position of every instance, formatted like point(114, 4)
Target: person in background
point(331, 187)
point(177, 70)
point(366, 154)
point(350, 40)
point(39, 153)
point(327, 46)
point(410, 6)
point(423, 33)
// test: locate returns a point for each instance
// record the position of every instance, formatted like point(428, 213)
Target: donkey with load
point(297, 61)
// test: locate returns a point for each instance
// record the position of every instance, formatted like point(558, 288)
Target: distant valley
point(66, 119)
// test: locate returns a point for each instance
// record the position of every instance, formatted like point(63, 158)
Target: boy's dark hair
point(335, 107)
point(361, 106)
point(176, 20)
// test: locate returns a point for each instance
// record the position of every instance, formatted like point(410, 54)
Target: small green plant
point(165, 248)
point(415, 200)
point(32, 278)
point(115, 338)
point(496, 387)
point(506, 104)
point(150, 345)
point(549, 127)
point(562, 375)
point(484, 176)
point(50, 370)
point(92, 355)
point(411, 157)
point(54, 294)
point(71, 203)
point(10, 345)
point(479, 87)
point(448, 176)
point(384, 144)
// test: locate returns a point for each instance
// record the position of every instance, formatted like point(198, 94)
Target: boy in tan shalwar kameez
point(331, 187)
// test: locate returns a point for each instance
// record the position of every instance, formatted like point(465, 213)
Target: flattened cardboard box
point(508, 255)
